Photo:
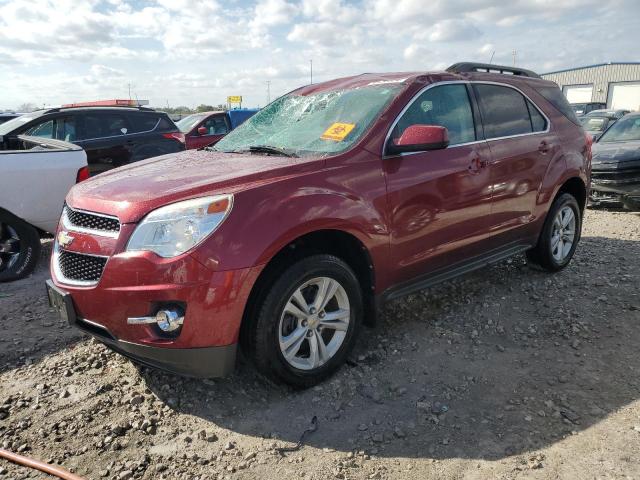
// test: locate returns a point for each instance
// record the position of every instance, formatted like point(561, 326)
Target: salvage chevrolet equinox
point(287, 235)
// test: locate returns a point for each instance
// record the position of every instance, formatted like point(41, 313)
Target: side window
point(103, 125)
point(143, 122)
point(66, 129)
point(447, 106)
point(538, 122)
point(42, 130)
point(504, 111)
point(216, 126)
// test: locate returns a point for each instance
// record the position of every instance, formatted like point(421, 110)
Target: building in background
point(616, 84)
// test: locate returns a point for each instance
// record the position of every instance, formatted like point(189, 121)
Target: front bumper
point(203, 362)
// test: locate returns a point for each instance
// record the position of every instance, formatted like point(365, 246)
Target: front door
point(215, 127)
point(440, 200)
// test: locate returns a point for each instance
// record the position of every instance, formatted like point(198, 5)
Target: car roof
point(408, 78)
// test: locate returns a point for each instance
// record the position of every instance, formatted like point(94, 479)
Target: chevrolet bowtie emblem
point(64, 239)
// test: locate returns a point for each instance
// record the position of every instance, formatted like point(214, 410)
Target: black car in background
point(615, 168)
point(596, 122)
point(584, 108)
point(111, 136)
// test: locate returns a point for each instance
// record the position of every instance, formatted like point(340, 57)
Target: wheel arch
point(340, 243)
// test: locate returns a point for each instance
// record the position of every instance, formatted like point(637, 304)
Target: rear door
point(521, 148)
point(440, 200)
point(103, 136)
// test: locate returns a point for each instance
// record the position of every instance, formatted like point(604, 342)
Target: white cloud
point(186, 52)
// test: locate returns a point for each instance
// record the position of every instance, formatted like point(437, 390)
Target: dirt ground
point(505, 373)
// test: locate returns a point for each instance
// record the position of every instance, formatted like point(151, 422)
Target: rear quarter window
point(556, 98)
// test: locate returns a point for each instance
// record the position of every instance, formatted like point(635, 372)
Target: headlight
point(176, 228)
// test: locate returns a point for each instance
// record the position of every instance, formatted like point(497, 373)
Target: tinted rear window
point(556, 98)
point(504, 111)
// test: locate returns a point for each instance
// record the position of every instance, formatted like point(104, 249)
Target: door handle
point(544, 147)
point(477, 164)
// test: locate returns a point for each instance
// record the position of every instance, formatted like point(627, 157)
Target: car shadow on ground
point(500, 362)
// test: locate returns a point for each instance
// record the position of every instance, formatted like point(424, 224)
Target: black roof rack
point(464, 67)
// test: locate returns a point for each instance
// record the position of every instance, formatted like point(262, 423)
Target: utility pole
point(491, 60)
point(129, 85)
point(514, 58)
point(311, 70)
point(268, 92)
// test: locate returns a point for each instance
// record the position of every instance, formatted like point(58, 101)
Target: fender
point(265, 219)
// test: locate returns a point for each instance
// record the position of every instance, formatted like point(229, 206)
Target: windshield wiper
point(270, 149)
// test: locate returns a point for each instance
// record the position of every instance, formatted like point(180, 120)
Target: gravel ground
point(505, 373)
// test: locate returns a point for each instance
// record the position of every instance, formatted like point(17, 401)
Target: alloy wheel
point(563, 234)
point(314, 323)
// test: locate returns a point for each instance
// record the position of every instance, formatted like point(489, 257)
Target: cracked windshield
point(325, 123)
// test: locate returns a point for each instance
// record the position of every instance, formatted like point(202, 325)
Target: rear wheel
point(19, 248)
point(307, 322)
point(560, 235)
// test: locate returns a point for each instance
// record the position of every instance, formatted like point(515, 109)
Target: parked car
point(207, 128)
point(287, 234)
point(6, 116)
point(595, 125)
point(110, 136)
point(616, 165)
point(34, 179)
point(614, 114)
point(584, 108)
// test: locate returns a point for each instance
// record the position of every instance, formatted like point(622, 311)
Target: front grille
point(79, 267)
point(616, 177)
point(91, 221)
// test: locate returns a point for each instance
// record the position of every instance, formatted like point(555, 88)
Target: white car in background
point(35, 176)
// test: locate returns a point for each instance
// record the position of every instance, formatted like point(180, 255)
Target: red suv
point(288, 234)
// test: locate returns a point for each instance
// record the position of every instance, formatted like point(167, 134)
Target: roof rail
point(464, 67)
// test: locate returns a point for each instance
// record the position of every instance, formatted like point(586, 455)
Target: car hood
point(615, 155)
point(132, 191)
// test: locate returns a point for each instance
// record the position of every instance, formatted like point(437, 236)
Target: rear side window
point(102, 125)
point(504, 111)
point(143, 122)
point(556, 98)
point(447, 106)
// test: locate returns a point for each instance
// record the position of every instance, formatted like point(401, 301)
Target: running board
point(448, 273)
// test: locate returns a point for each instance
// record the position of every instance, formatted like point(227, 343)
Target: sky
point(181, 52)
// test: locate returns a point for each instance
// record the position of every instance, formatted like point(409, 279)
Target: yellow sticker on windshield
point(338, 131)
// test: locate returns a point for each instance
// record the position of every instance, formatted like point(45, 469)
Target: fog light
point(169, 320)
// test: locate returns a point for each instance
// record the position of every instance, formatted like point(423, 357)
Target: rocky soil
point(505, 373)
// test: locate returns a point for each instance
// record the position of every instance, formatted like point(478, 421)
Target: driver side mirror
point(419, 138)
point(202, 130)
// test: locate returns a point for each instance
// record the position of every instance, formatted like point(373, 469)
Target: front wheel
point(308, 321)
point(19, 248)
point(560, 235)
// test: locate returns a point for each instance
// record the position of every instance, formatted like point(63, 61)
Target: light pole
point(268, 92)
point(311, 70)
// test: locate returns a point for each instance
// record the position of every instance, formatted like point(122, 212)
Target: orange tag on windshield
point(338, 131)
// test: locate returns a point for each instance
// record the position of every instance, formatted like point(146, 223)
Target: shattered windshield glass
point(324, 123)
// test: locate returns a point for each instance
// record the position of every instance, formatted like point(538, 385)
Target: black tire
point(262, 337)
point(19, 247)
point(541, 255)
